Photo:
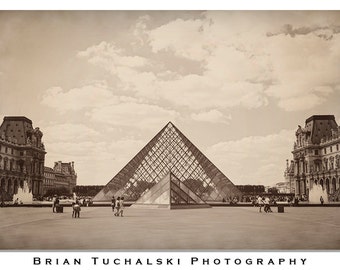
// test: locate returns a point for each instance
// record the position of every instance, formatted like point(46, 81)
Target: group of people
point(75, 206)
point(117, 206)
point(265, 203)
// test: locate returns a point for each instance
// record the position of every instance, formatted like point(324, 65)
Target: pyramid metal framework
point(170, 193)
point(169, 151)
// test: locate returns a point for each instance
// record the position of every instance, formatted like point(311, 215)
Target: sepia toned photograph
point(170, 130)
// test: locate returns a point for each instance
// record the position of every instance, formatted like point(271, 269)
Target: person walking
point(113, 203)
point(117, 207)
point(121, 208)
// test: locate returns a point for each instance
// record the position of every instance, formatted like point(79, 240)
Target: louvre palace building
point(61, 175)
point(22, 156)
point(316, 157)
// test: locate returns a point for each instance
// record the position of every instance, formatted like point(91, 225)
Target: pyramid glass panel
point(169, 151)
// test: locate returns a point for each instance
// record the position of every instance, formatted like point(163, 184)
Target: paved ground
point(228, 228)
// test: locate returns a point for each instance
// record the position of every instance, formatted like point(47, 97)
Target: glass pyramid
point(170, 193)
point(169, 151)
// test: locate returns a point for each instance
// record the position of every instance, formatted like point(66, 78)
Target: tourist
point(267, 205)
point(73, 212)
point(56, 205)
point(113, 203)
point(76, 209)
point(55, 201)
point(321, 200)
point(260, 203)
point(117, 206)
point(121, 208)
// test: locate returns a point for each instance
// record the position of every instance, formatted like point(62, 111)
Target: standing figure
point(321, 200)
point(267, 205)
point(73, 203)
point(113, 203)
point(260, 203)
point(76, 209)
point(54, 202)
point(117, 206)
point(121, 208)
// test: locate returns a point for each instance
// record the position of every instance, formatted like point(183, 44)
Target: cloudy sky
point(100, 85)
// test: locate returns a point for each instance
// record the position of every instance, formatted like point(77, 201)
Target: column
point(297, 169)
point(297, 187)
point(303, 187)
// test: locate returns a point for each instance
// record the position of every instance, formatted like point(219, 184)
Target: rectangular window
point(331, 149)
point(325, 150)
point(337, 147)
point(316, 152)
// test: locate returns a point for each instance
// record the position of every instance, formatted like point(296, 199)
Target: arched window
point(333, 185)
point(15, 189)
point(321, 183)
point(2, 184)
point(5, 163)
point(9, 185)
point(327, 186)
point(331, 160)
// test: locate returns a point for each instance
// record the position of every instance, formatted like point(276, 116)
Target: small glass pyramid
point(170, 193)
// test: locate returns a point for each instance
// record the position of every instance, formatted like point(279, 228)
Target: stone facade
point(22, 156)
point(316, 156)
point(62, 175)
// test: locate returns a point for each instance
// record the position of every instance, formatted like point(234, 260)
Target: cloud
point(102, 106)
point(75, 99)
point(306, 70)
point(136, 115)
point(324, 32)
point(109, 56)
point(185, 38)
point(238, 63)
point(70, 133)
point(96, 162)
point(301, 103)
point(245, 55)
point(212, 116)
point(216, 85)
point(255, 159)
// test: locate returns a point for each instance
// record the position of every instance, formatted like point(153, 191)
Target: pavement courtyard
point(227, 228)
